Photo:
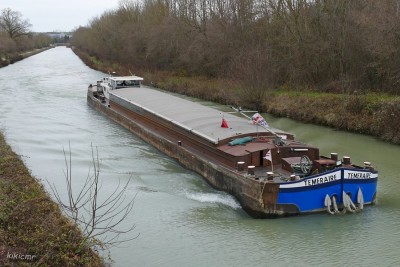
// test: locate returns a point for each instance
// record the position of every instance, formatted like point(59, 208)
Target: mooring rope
point(261, 195)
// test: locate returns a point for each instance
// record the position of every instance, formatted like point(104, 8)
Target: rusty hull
point(257, 196)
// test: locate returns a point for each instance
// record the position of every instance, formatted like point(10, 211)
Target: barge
point(265, 169)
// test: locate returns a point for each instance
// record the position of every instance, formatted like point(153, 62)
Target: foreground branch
point(99, 218)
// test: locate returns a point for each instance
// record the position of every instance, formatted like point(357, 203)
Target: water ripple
point(214, 198)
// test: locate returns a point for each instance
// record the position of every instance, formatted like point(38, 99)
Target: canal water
point(180, 220)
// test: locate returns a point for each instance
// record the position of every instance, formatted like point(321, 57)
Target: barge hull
point(300, 186)
point(253, 195)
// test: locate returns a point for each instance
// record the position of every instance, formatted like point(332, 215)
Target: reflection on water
point(181, 220)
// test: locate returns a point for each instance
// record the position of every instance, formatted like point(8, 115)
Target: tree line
point(332, 45)
point(15, 34)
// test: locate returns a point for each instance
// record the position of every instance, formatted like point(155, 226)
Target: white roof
point(124, 78)
point(199, 119)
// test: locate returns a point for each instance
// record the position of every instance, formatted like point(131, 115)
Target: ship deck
point(192, 116)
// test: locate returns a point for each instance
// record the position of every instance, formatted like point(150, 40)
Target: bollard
point(240, 166)
point(368, 166)
point(346, 160)
point(250, 170)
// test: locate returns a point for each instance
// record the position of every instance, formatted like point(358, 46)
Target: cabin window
point(127, 83)
point(132, 83)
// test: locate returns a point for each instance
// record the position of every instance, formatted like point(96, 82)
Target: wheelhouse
point(124, 82)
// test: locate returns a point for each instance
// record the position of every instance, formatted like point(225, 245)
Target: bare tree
point(98, 218)
point(333, 45)
point(13, 23)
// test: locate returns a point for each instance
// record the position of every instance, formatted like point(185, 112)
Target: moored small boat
point(266, 169)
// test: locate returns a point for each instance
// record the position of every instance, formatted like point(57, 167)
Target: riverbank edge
point(15, 57)
point(371, 114)
point(33, 229)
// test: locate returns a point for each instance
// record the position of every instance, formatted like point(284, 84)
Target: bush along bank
point(372, 114)
point(33, 231)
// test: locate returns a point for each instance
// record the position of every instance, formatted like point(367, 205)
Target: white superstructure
point(111, 83)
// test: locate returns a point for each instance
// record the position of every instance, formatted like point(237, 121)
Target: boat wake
point(214, 198)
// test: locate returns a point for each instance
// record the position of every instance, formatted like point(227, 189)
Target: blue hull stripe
point(309, 196)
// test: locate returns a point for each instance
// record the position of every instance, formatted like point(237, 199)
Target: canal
point(180, 220)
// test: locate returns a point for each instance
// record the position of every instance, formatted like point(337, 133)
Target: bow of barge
point(265, 169)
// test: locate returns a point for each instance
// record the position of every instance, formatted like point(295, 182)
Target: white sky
point(59, 15)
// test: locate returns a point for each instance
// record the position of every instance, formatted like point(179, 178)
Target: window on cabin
point(120, 84)
point(132, 83)
point(127, 83)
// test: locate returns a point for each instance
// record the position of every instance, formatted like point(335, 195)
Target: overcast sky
point(64, 15)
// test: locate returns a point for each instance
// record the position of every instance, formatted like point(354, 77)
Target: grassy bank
point(33, 231)
point(372, 114)
point(14, 57)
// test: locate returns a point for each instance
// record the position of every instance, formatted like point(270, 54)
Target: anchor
point(331, 204)
point(348, 204)
point(360, 199)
